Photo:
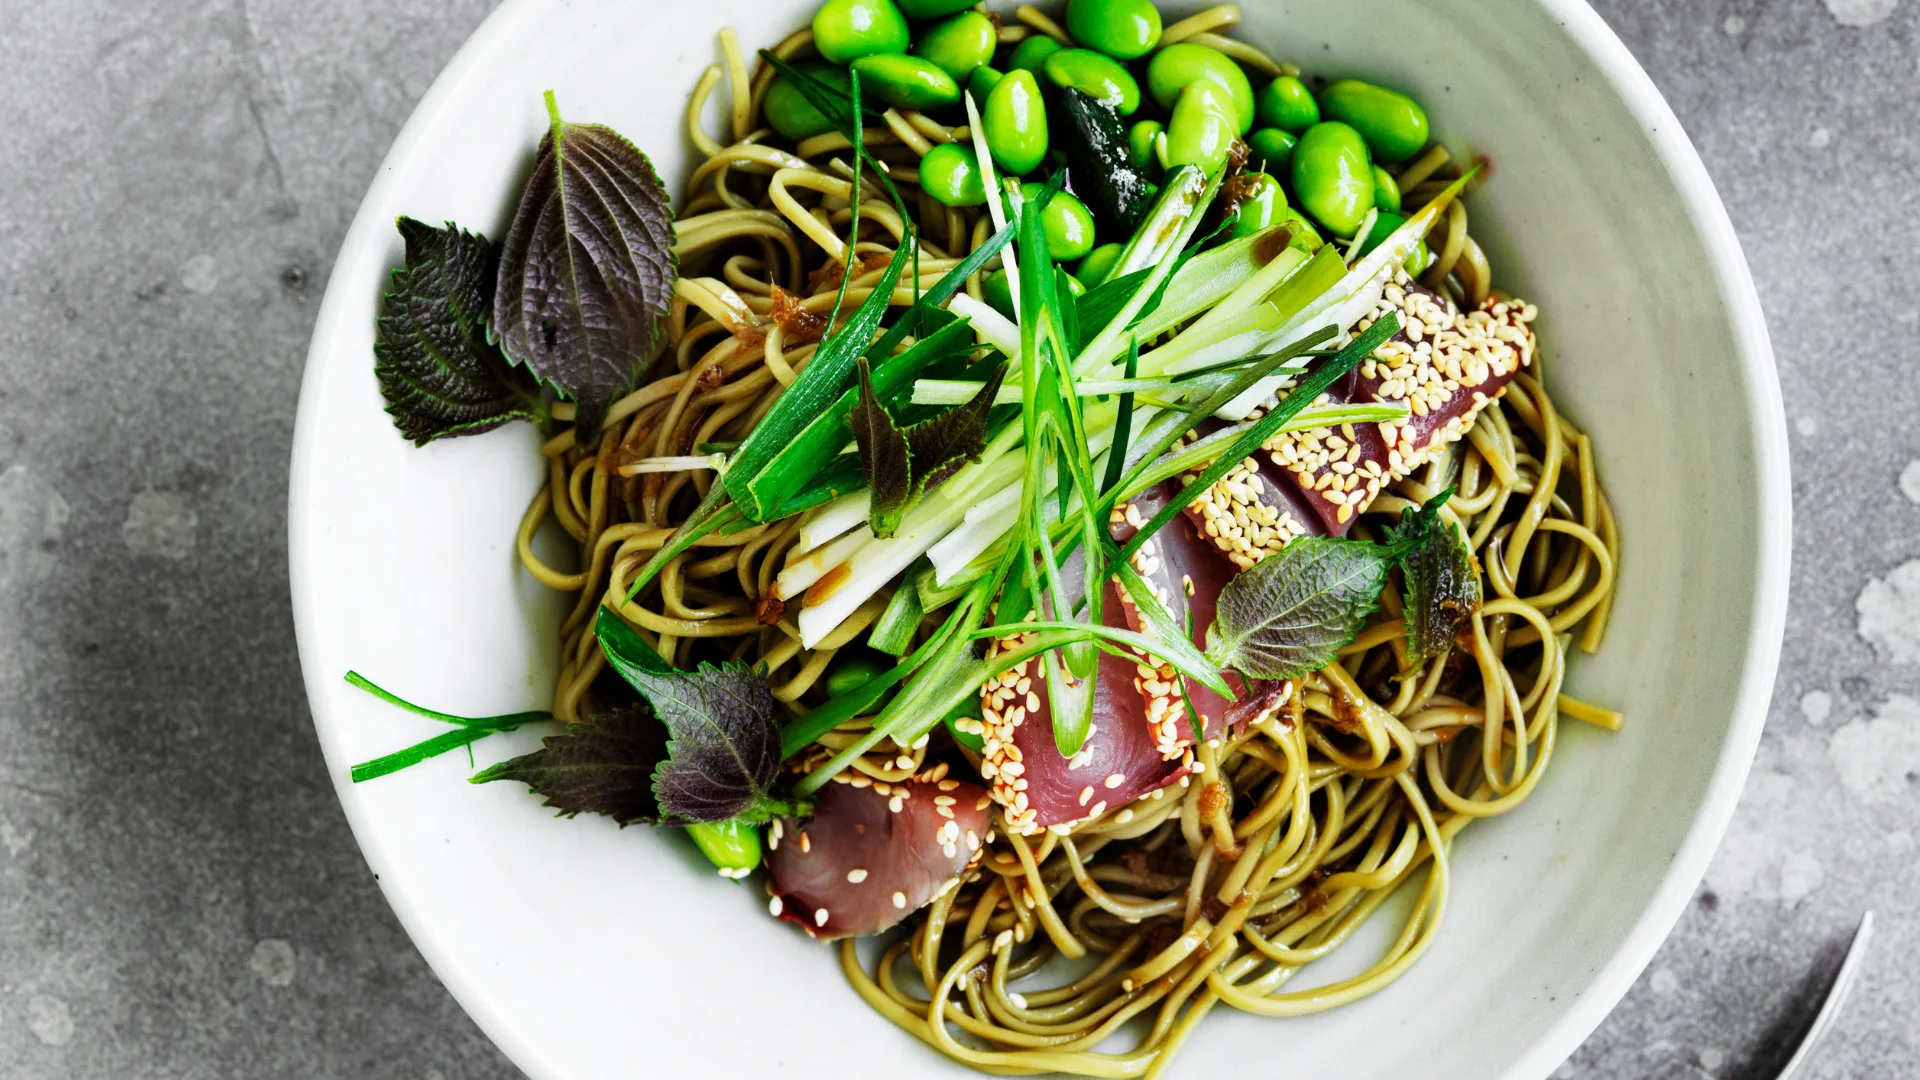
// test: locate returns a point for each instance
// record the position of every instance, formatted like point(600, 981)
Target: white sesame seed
point(775, 907)
point(856, 875)
point(899, 900)
point(820, 917)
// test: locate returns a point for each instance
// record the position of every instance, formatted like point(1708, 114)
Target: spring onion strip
point(961, 391)
point(716, 462)
point(1106, 347)
point(993, 327)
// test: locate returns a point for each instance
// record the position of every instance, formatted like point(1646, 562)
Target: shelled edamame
point(1320, 160)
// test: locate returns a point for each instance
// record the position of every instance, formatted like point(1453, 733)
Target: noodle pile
point(1294, 832)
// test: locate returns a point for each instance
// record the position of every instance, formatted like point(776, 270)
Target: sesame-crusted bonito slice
point(1187, 573)
point(1444, 364)
point(1253, 511)
point(1118, 763)
point(873, 853)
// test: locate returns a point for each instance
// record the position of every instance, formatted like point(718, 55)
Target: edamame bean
point(1140, 148)
point(1272, 149)
point(1124, 29)
point(1393, 124)
point(1032, 53)
point(1096, 75)
point(790, 113)
point(982, 82)
point(907, 81)
point(951, 174)
point(934, 9)
point(1202, 129)
point(1068, 224)
point(730, 845)
point(959, 45)
point(1287, 104)
point(998, 289)
point(845, 30)
point(1180, 65)
point(1384, 224)
point(1260, 202)
point(1386, 190)
point(1332, 176)
point(850, 675)
point(1016, 123)
point(1095, 268)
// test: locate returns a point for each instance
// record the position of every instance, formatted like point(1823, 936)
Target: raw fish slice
point(874, 853)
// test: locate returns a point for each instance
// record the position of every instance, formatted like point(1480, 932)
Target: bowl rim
point(1767, 621)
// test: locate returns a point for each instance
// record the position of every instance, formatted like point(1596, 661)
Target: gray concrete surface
point(179, 895)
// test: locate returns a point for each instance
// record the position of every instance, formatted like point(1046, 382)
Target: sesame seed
point(856, 876)
point(820, 917)
point(775, 907)
point(899, 899)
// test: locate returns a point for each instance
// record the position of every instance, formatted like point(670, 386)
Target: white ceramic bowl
point(590, 952)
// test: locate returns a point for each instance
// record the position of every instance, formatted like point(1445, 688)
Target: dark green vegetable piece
point(588, 267)
point(439, 373)
point(934, 9)
point(903, 465)
point(1100, 165)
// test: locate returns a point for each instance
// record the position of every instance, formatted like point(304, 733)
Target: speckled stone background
point(179, 895)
